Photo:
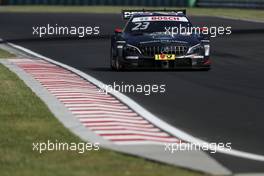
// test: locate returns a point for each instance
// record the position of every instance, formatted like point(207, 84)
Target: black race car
point(156, 39)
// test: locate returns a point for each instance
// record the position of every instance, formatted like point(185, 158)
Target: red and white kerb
point(102, 113)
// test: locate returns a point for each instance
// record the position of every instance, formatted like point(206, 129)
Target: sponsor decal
point(160, 18)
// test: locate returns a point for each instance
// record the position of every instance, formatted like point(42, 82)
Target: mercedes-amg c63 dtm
point(159, 39)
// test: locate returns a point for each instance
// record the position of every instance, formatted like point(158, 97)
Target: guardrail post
point(191, 3)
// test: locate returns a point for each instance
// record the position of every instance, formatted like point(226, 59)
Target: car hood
point(161, 39)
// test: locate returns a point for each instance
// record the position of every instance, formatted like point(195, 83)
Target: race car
point(155, 39)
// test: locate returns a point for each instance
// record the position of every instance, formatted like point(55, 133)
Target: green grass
point(235, 13)
point(5, 54)
point(26, 119)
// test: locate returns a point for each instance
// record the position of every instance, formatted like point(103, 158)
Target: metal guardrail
point(256, 4)
point(102, 2)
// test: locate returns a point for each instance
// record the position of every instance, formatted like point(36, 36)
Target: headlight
point(206, 50)
point(196, 49)
point(132, 49)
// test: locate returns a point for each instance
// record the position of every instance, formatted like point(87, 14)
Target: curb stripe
point(142, 111)
point(102, 113)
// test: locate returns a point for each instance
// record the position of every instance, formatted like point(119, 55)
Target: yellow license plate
point(165, 56)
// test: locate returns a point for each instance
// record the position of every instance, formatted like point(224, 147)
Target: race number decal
point(140, 26)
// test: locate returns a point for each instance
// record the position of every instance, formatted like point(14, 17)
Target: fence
point(258, 4)
point(102, 2)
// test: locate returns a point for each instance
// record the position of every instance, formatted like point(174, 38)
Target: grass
point(5, 54)
point(235, 13)
point(26, 119)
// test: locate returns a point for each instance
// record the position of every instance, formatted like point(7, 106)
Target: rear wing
point(127, 14)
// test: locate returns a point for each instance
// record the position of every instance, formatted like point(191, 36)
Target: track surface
point(222, 105)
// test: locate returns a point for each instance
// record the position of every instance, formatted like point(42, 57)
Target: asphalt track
point(222, 105)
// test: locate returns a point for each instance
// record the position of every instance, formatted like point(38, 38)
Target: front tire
point(112, 59)
point(118, 65)
point(115, 63)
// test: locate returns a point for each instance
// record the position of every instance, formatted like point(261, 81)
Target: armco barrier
point(164, 3)
point(257, 4)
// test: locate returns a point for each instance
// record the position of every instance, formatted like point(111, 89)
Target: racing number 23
point(140, 26)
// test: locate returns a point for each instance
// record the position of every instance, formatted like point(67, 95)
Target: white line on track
point(158, 134)
point(85, 120)
point(107, 124)
point(140, 137)
point(104, 112)
point(94, 105)
point(123, 128)
point(142, 142)
point(86, 116)
point(99, 109)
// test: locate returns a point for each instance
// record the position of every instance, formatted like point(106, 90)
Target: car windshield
point(140, 25)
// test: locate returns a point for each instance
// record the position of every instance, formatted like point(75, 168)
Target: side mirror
point(118, 30)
